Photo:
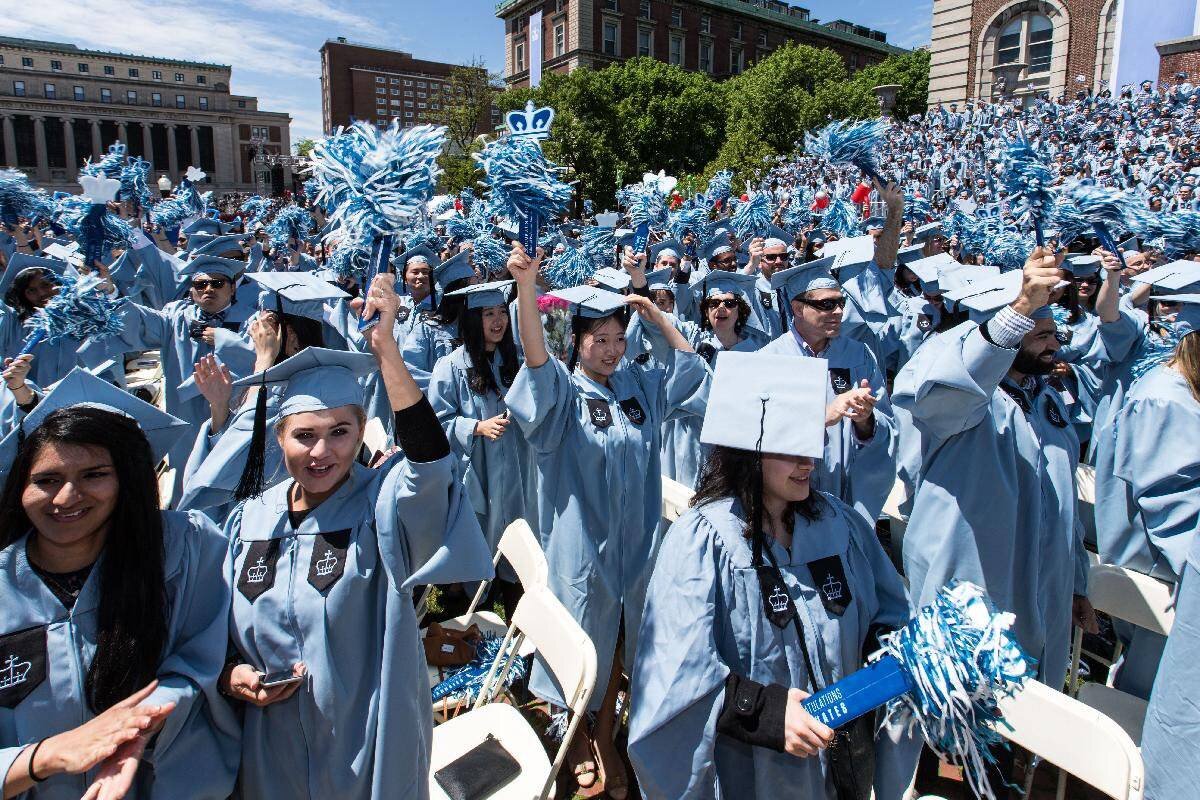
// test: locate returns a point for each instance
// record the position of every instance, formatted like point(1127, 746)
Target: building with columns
point(60, 104)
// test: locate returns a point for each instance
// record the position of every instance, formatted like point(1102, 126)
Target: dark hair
point(16, 293)
point(450, 309)
point(309, 333)
point(480, 376)
point(743, 309)
point(1070, 301)
point(581, 326)
point(132, 617)
point(730, 472)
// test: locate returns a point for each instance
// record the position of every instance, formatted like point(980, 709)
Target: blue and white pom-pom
point(1177, 233)
point(600, 247)
point(571, 267)
point(523, 184)
point(489, 254)
point(849, 142)
point(1008, 250)
point(442, 205)
point(720, 186)
point(1028, 179)
point(254, 210)
point(109, 165)
point(1107, 211)
point(688, 219)
point(351, 258)
point(917, 209)
point(292, 222)
point(468, 679)
point(89, 222)
point(20, 198)
point(77, 311)
point(647, 209)
point(840, 217)
point(753, 217)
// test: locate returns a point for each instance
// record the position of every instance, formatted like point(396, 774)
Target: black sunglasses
point(723, 260)
point(829, 304)
point(201, 284)
point(729, 303)
point(774, 256)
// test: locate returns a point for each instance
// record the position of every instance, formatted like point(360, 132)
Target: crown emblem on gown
point(533, 123)
point(257, 573)
point(778, 600)
point(325, 565)
point(14, 672)
point(832, 588)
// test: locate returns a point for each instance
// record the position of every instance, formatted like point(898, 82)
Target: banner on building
point(535, 49)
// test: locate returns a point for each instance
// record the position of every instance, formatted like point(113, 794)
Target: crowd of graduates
point(209, 580)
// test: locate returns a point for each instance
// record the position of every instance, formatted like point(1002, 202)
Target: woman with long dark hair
point(113, 632)
point(467, 391)
point(595, 425)
point(328, 664)
point(764, 592)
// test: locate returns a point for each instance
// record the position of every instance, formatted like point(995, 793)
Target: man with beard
point(995, 496)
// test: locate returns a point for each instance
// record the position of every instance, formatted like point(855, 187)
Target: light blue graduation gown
point(918, 320)
point(1089, 360)
point(704, 618)
point(426, 343)
point(859, 473)
point(195, 754)
point(498, 477)
point(1123, 343)
point(995, 502)
point(150, 276)
point(869, 311)
point(1171, 735)
point(336, 593)
point(600, 487)
point(410, 314)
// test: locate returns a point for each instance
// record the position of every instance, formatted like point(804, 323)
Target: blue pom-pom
point(849, 142)
point(841, 217)
point(521, 180)
point(753, 217)
point(489, 254)
point(468, 679)
point(1008, 250)
point(20, 198)
point(571, 267)
point(77, 311)
point(1099, 206)
point(689, 219)
point(255, 209)
point(1028, 180)
point(720, 186)
point(646, 206)
point(291, 222)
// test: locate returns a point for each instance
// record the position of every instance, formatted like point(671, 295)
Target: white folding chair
point(1139, 600)
point(571, 658)
point(675, 499)
point(1085, 494)
point(166, 487)
point(375, 437)
point(1079, 740)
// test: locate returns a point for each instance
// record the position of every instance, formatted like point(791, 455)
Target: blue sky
point(273, 44)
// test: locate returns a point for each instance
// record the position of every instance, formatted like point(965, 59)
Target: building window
point(396, 92)
point(677, 17)
point(48, 91)
point(408, 93)
point(408, 103)
point(180, 101)
point(202, 80)
point(156, 99)
point(156, 74)
point(257, 132)
point(560, 5)
point(79, 94)
point(26, 62)
point(179, 77)
point(380, 79)
point(84, 68)
point(612, 34)
point(56, 66)
point(133, 72)
point(519, 57)
point(705, 23)
point(408, 83)
point(1028, 38)
point(395, 102)
point(560, 39)
point(422, 95)
point(737, 61)
point(18, 88)
point(644, 9)
point(737, 30)
point(706, 49)
point(131, 97)
point(203, 103)
point(106, 95)
point(241, 103)
point(420, 84)
point(395, 81)
point(380, 90)
point(645, 42)
point(676, 54)
point(408, 115)
point(420, 105)
point(853, 62)
point(611, 5)
point(762, 38)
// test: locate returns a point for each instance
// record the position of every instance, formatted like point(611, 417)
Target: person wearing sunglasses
point(768, 256)
point(859, 466)
point(205, 322)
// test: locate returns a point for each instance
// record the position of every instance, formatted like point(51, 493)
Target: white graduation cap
point(775, 403)
point(612, 279)
point(591, 301)
point(851, 251)
point(485, 295)
point(1173, 276)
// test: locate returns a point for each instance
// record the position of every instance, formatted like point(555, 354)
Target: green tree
point(304, 146)
point(909, 71)
point(466, 114)
point(632, 117)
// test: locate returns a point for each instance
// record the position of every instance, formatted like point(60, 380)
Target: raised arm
point(533, 339)
point(888, 243)
point(402, 390)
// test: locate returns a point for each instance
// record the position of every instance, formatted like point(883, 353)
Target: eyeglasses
point(730, 303)
point(201, 284)
point(829, 304)
point(774, 256)
point(724, 261)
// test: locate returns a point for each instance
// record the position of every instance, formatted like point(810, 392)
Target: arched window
point(1104, 46)
point(1030, 32)
point(1026, 38)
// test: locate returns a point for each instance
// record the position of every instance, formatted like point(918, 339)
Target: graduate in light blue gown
point(595, 426)
point(324, 566)
point(183, 331)
point(435, 335)
point(467, 392)
point(765, 590)
point(988, 421)
point(417, 299)
point(1148, 484)
point(1171, 733)
point(293, 309)
point(859, 465)
point(28, 284)
point(115, 616)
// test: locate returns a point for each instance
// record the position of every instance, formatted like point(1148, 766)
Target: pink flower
point(548, 302)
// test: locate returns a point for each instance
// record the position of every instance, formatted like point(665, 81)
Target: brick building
point(364, 82)
point(720, 37)
point(60, 104)
point(1176, 56)
point(1060, 41)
